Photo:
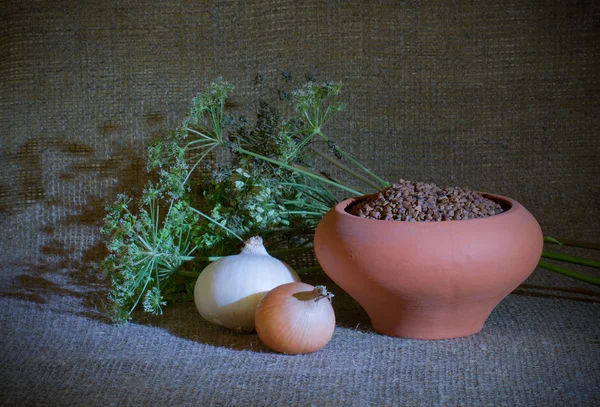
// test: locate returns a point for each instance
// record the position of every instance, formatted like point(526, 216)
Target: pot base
point(415, 326)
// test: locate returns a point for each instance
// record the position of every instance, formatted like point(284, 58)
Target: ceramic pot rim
point(509, 205)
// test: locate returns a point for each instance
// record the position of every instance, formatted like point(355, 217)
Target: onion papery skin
point(229, 289)
point(289, 320)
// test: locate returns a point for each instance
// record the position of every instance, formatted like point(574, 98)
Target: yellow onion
point(295, 318)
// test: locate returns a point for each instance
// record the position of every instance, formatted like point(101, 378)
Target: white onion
point(229, 289)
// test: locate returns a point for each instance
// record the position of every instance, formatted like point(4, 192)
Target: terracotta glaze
point(429, 280)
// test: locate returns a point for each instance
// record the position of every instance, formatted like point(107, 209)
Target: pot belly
point(419, 282)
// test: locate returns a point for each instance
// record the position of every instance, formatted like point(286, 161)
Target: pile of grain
point(420, 202)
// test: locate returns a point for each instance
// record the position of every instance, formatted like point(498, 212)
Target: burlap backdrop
point(499, 96)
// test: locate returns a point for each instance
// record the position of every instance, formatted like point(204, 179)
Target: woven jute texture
point(498, 96)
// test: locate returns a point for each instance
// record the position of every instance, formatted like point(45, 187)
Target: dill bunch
point(191, 216)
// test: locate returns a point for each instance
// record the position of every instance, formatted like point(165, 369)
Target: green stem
point(199, 134)
point(307, 173)
point(303, 143)
point(198, 162)
point(184, 273)
point(572, 243)
point(319, 214)
point(318, 191)
point(571, 259)
point(320, 199)
point(146, 244)
point(570, 273)
point(356, 162)
point(216, 223)
point(148, 278)
point(317, 205)
point(350, 171)
point(209, 259)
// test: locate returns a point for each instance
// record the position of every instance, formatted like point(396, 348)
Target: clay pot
point(429, 280)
